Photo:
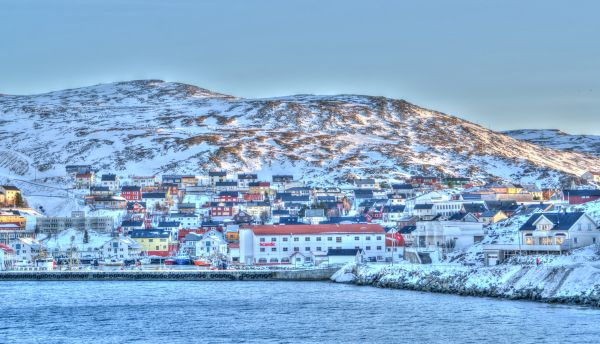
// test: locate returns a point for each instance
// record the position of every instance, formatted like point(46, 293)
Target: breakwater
point(320, 274)
point(572, 284)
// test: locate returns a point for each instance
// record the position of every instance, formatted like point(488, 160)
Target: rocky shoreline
point(574, 284)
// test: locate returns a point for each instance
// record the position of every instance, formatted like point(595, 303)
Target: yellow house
point(10, 194)
point(232, 236)
point(490, 216)
point(152, 242)
point(256, 209)
point(10, 218)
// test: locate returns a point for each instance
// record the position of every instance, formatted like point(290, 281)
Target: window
point(307, 239)
point(262, 239)
point(273, 239)
point(379, 237)
point(307, 249)
point(368, 247)
point(285, 260)
point(157, 248)
point(262, 249)
point(356, 238)
point(150, 240)
point(329, 238)
point(285, 239)
point(338, 239)
point(368, 238)
point(296, 249)
point(318, 238)
point(273, 260)
point(285, 249)
point(273, 249)
point(296, 239)
point(319, 248)
point(378, 248)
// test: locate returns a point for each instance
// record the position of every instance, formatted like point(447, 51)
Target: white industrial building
point(300, 244)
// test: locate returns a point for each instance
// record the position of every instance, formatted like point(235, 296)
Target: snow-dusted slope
point(155, 126)
point(556, 139)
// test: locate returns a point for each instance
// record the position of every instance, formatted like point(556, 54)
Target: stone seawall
point(193, 275)
point(573, 284)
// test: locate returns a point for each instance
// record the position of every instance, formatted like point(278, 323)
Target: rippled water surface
point(275, 312)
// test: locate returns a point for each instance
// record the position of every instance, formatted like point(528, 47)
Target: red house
point(581, 196)
point(131, 193)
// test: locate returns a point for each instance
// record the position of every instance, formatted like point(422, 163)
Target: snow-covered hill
point(556, 139)
point(153, 126)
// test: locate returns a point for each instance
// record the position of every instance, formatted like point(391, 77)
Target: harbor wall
point(186, 275)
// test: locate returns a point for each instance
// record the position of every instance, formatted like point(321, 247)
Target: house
point(447, 235)
point(314, 216)
point(73, 169)
point(453, 182)
point(186, 208)
point(299, 191)
point(463, 217)
point(287, 199)
point(7, 257)
point(408, 234)
point(228, 196)
point(189, 242)
point(232, 233)
point(143, 181)
point(180, 180)
point(233, 255)
point(277, 244)
point(77, 220)
point(366, 184)
point(26, 249)
point(223, 209)
point(424, 211)
point(406, 190)
point(216, 176)
point(346, 220)
point(153, 242)
point(492, 216)
point(136, 207)
point(84, 180)
point(560, 229)
point(243, 217)
point(362, 194)
point(109, 202)
point(591, 176)
point(100, 191)
point(131, 225)
point(131, 193)
point(474, 208)
point(121, 247)
point(262, 188)
point(278, 213)
point(244, 180)
point(186, 220)
point(211, 245)
point(111, 181)
point(13, 226)
point(261, 211)
point(423, 180)
point(226, 186)
point(12, 195)
point(547, 233)
point(344, 256)
point(155, 200)
point(581, 196)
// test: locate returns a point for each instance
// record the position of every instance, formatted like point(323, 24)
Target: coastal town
point(224, 220)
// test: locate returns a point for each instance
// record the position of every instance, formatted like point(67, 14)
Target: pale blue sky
point(502, 64)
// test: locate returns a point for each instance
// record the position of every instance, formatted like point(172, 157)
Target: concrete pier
point(319, 274)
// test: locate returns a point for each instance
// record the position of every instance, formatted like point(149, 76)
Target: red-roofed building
point(7, 257)
point(301, 244)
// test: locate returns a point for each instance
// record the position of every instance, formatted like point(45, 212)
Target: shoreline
point(323, 274)
point(569, 285)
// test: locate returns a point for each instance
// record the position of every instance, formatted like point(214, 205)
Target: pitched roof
point(424, 206)
point(130, 188)
point(343, 251)
point(580, 193)
point(316, 229)
point(561, 221)
point(109, 177)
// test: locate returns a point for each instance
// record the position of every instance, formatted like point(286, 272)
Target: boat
point(182, 259)
point(145, 261)
point(200, 262)
point(111, 262)
point(169, 261)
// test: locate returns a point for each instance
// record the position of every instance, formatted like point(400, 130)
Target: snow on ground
point(62, 241)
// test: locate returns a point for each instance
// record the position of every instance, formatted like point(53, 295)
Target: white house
point(211, 244)
point(186, 220)
point(111, 181)
point(447, 236)
point(121, 248)
point(26, 249)
point(291, 244)
point(7, 257)
point(547, 233)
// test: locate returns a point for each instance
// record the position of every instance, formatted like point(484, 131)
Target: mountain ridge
point(152, 126)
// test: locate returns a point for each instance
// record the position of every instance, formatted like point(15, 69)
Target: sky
point(502, 64)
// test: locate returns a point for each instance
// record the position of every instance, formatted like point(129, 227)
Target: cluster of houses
point(242, 219)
